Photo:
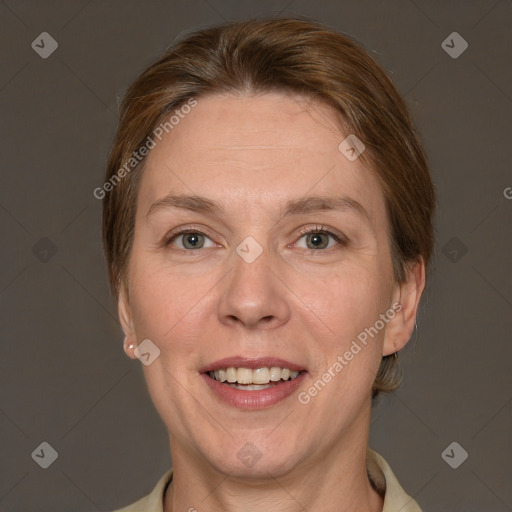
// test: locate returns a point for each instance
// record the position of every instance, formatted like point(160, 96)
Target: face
point(285, 256)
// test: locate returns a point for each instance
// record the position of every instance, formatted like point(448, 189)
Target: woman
point(267, 224)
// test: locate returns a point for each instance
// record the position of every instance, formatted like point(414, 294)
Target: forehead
point(266, 149)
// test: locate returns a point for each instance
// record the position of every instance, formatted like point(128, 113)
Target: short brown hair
point(289, 55)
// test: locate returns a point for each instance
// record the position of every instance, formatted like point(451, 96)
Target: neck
point(332, 480)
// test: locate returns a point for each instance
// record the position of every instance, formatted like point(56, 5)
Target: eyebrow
point(308, 204)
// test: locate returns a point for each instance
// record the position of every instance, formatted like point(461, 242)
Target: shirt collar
point(379, 473)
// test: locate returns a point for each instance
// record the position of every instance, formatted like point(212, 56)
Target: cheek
point(346, 301)
point(169, 309)
point(173, 308)
point(342, 318)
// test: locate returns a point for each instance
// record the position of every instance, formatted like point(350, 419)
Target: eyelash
point(321, 230)
point(305, 231)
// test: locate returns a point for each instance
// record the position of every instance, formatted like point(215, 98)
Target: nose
point(254, 295)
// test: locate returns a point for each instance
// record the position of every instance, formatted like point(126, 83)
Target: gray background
point(64, 377)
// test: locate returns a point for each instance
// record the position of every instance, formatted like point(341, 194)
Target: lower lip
point(259, 399)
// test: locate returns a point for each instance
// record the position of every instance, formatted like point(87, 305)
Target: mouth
point(253, 383)
point(253, 380)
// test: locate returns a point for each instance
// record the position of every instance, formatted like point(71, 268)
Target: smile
point(251, 380)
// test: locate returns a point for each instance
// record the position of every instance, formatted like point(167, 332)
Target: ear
point(406, 297)
point(125, 316)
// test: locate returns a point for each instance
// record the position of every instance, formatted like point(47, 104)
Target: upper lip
point(252, 363)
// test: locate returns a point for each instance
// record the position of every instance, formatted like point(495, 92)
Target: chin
point(246, 458)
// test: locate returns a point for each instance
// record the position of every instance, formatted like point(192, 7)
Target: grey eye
point(315, 241)
point(192, 240)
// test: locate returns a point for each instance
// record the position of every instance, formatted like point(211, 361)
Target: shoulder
point(153, 502)
point(385, 482)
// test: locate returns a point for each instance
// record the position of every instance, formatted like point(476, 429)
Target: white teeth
point(251, 387)
point(260, 376)
point(275, 373)
point(231, 374)
point(244, 376)
point(253, 379)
